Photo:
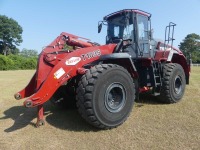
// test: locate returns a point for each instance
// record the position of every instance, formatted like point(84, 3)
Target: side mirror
point(99, 27)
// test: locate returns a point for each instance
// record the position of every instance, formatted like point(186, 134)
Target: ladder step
point(155, 94)
point(148, 84)
point(157, 79)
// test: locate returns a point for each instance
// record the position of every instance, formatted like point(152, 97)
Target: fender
point(180, 59)
point(122, 59)
point(174, 56)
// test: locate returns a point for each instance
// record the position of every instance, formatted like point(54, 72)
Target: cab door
point(143, 36)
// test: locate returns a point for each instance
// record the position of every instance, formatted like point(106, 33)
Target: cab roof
point(127, 10)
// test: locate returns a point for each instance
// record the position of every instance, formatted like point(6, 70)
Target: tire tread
point(84, 94)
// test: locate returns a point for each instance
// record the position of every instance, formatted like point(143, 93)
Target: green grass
point(151, 125)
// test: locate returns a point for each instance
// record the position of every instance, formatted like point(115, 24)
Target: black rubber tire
point(95, 90)
point(173, 84)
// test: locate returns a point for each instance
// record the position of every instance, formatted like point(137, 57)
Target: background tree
point(191, 45)
point(28, 53)
point(10, 35)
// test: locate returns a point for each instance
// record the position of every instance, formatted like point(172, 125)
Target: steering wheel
point(114, 39)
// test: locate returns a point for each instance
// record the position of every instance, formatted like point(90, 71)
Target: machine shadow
point(147, 98)
point(68, 119)
point(65, 119)
point(21, 116)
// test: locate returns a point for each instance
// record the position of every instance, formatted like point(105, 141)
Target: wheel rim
point(178, 85)
point(115, 97)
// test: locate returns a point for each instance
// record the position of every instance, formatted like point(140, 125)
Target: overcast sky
point(43, 20)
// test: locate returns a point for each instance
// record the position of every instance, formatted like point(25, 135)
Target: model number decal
point(72, 61)
point(90, 55)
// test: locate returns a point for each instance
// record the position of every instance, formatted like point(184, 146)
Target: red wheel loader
point(104, 80)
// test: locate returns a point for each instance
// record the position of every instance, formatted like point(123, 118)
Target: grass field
point(151, 125)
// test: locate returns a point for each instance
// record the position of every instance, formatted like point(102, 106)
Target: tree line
point(12, 58)
point(190, 46)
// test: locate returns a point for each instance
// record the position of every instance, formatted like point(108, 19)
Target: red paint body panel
point(161, 55)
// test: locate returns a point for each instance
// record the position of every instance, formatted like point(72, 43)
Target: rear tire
point(173, 85)
point(105, 96)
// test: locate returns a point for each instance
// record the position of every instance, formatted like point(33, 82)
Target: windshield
point(120, 27)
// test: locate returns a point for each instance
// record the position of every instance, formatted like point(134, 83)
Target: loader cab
point(130, 24)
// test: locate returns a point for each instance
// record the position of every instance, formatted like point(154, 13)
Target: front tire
point(173, 85)
point(105, 96)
